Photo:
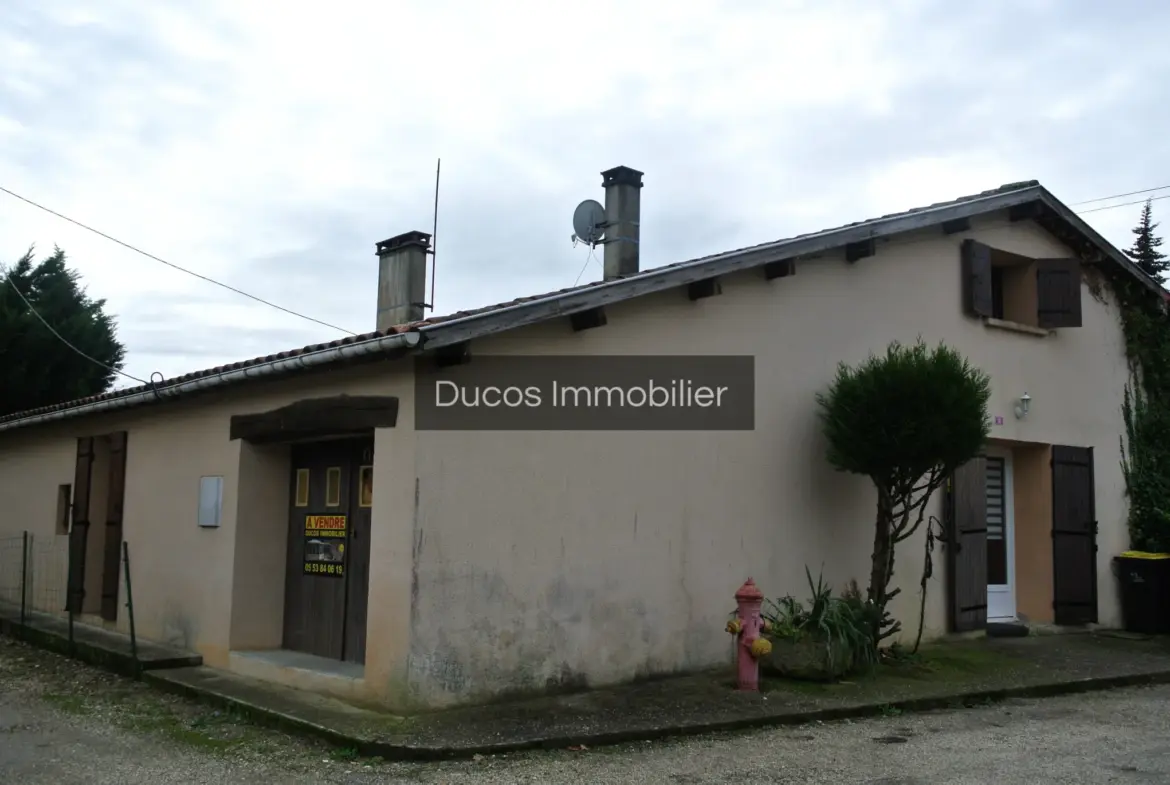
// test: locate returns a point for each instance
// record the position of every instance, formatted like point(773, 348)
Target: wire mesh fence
point(48, 574)
point(12, 554)
point(34, 582)
point(34, 572)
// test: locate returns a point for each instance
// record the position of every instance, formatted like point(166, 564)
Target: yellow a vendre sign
point(325, 545)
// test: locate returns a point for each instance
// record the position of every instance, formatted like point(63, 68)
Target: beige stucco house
point(307, 517)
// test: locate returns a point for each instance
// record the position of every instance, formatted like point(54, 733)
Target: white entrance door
point(1001, 556)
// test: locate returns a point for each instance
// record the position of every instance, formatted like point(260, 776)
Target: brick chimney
point(402, 279)
point(623, 217)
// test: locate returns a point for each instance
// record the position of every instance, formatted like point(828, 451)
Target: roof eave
point(457, 330)
point(1104, 246)
point(478, 325)
point(451, 331)
point(386, 345)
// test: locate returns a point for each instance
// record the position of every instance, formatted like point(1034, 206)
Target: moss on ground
point(951, 664)
point(95, 695)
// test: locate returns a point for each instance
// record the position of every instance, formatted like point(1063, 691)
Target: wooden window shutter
point(79, 528)
point(1058, 293)
point(1074, 536)
point(976, 271)
point(967, 546)
point(115, 496)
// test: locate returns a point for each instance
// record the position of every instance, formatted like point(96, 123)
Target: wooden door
point(357, 573)
point(115, 496)
point(79, 526)
point(1074, 536)
point(967, 546)
point(327, 581)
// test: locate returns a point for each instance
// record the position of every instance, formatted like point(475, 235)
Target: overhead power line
point(589, 257)
point(1121, 196)
point(59, 337)
point(1123, 204)
point(173, 265)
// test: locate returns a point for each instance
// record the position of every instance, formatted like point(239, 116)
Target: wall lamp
point(1022, 407)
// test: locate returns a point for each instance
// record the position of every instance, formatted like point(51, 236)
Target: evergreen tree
point(1145, 247)
point(39, 369)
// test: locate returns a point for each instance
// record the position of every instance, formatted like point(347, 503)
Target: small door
point(1001, 561)
point(1074, 536)
point(115, 498)
point(79, 526)
point(327, 580)
point(967, 546)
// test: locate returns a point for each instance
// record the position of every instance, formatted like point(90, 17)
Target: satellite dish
point(589, 222)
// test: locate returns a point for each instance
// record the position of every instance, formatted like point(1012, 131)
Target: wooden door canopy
point(338, 415)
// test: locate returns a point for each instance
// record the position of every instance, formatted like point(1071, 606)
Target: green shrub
point(906, 420)
point(843, 623)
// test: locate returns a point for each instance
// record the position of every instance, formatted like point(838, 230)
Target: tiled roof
point(437, 320)
point(1003, 189)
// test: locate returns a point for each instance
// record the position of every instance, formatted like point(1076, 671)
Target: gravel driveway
point(63, 723)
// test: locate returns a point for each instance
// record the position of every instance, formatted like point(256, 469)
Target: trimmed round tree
point(906, 420)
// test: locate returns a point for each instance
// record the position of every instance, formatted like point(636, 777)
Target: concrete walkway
point(946, 675)
point(63, 722)
point(942, 676)
point(104, 648)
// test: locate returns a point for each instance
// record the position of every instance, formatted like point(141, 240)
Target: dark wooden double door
point(1074, 541)
point(327, 579)
point(108, 453)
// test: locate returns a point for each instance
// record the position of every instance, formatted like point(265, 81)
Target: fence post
point(130, 608)
point(69, 605)
point(23, 579)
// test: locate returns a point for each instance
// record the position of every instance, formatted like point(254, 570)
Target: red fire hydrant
point(747, 626)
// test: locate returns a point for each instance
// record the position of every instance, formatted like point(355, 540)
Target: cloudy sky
point(270, 145)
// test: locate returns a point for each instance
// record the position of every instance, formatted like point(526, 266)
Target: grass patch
point(74, 704)
point(960, 664)
point(951, 661)
point(211, 733)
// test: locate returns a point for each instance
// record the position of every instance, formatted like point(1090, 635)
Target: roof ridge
point(488, 309)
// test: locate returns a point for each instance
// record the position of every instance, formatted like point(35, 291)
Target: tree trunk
point(880, 569)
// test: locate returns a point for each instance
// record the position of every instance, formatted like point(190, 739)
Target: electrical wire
point(588, 258)
point(1119, 196)
point(61, 338)
point(173, 265)
point(1123, 204)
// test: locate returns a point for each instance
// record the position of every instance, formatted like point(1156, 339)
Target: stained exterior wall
point(565, 558)
point(507, 561)
point(210, 590)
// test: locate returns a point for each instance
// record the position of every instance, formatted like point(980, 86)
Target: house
point(317, 517)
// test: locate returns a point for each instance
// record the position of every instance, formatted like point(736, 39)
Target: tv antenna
point(435, 236)
point(589, 223)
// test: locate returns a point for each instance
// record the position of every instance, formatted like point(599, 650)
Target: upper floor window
point(1040, 293)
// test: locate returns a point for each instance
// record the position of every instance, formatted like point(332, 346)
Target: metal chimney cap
point(622, 175)
point(404, 240)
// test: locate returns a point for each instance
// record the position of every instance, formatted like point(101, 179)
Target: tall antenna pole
point(435, 234)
